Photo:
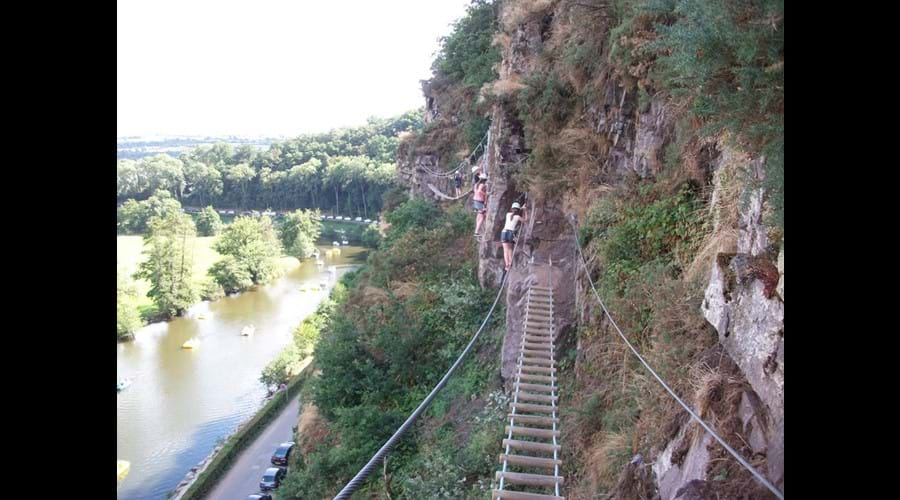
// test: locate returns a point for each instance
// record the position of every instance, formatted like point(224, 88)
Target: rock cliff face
point(744, 298)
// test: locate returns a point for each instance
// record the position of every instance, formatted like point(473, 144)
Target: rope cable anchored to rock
point(363, 474)
point(662, 382)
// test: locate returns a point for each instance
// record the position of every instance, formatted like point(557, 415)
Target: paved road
point(243, 477)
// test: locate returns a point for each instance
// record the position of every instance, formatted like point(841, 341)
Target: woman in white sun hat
point(513, 217)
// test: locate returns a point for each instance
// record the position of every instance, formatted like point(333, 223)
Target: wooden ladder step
point(539, 287)
point(531, 431)
point(541, 313)
point(529, 461)
point(545, 330)
point(534, 387)
point(537, 339)
point(534, 419)
point(537, 369)
point(541, 398)
point(521, 495)
point(534, 320)
point(530, 445)
point(537, 378)
point(541, 346)
point(542, 307)
point(540, 291)
point(533, 353)
point(535, 408)
point(529, 479)
point(537, 361)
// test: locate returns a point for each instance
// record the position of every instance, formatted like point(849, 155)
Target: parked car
point(260, 496)
point(367, 221)
point(331, 217)
point(231, 212)
point(272, 478)
point(358, 219)
point(282, 453)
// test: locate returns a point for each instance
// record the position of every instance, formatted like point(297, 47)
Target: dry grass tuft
point(604, 459)
point(311, 428)
point(515, 13)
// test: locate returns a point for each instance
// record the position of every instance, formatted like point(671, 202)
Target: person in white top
point(513, 217)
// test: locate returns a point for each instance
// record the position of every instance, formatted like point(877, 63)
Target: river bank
point(183, 402)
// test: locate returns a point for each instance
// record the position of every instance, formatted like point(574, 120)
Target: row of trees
point(345, 170)
point(249, 247)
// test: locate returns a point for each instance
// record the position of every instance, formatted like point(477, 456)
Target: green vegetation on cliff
point(405, 317)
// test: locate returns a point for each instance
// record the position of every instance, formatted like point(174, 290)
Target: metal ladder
point(533, 418)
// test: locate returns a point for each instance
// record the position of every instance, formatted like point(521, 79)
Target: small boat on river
point(122, 468)
point(122, 384)
point(191, 344)
point(248, 331)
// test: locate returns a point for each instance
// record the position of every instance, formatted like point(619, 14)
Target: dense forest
point(345, 171)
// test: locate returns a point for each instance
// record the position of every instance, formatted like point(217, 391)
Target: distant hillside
point(134, 148)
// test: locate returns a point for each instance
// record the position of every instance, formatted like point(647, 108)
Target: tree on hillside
point(169, 264)
point(205, 180)
point(165, 172)
point(253, 245)
point(208, 222)
point(128, 320)
point(133, 216)
point(240, 176)
point(299, 233)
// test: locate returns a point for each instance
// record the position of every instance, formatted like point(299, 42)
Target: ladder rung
point(540, 291)
point(527, 396)
point(533, 353)
point(539, 330)
point(547, 307)
point(537, 361)
point(538, 369)
point(529, 461)
point(539, 287)
point(539, 338)
point(534, 419)
point(521, 495)
point(529, 479)
point(534, 387)
point(531, 431)
point(537, 378)
point(531, 407)
point(540, 313)
point(530, 445)
point(543, 346)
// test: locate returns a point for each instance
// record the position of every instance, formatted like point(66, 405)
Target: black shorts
point(507, 236)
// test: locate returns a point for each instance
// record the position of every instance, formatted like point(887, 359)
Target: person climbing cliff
point(476, 173)
point(457, 183)
point(479, 201)
point(516, 214)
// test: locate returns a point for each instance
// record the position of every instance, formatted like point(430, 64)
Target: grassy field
point(129, 256)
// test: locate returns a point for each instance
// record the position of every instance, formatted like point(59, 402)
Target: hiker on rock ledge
point(516, 214)
point(479, 201)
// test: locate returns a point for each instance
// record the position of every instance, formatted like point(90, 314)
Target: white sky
point(271, 67)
